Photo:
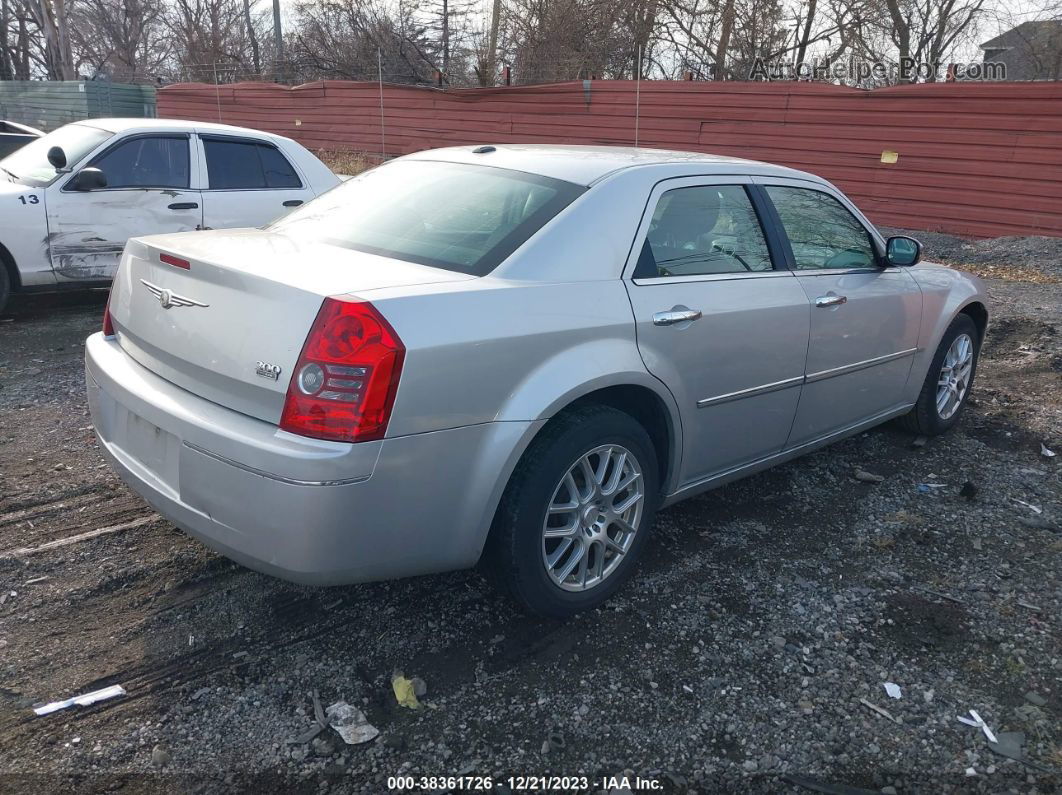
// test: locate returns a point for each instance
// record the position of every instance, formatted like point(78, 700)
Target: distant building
point(1031, 51)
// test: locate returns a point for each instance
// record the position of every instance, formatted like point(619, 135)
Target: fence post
point(507, 75)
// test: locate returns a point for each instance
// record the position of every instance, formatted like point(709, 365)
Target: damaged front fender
point(23, 232)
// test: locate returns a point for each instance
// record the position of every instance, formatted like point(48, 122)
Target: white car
point(70, 200)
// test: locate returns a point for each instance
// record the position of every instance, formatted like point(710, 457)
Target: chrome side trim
point(270, 475)
point(833, 372)
point(644, 281)
point(840, 271)
point(752, 392)
point(811, 378)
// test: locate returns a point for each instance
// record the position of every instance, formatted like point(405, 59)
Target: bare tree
point(720, 38)
point(7, 66)
point(489, 64)
point(569, 39)
point(211, 40)
point(124, 40)
point(52, 21)
point(21, 45)
point(692, 32)
point(926, 31)
point(348, 39)
point(252, 37)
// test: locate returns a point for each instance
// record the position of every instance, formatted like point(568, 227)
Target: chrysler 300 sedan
point(513, 355)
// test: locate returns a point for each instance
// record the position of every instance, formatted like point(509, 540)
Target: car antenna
point(383, 133)
point(637, 95)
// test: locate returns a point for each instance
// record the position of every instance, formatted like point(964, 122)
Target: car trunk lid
point(225, 314)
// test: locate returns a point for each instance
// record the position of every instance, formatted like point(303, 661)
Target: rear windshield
point(464, 218)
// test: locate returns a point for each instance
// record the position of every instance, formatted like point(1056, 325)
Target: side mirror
point(88, 179)
point(57, 157)
point(902, 250)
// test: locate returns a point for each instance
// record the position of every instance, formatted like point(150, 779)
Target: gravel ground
point(1031, 259)
point(749, 653)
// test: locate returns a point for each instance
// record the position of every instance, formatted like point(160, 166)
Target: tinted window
point(703, 230)
point(154, 162)
point(278, 171)
point(459, 217)
point(821, 230)
point(234, 165)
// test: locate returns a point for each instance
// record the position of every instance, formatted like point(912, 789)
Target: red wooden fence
point(978, 159)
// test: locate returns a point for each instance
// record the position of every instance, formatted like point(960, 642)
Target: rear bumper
point(301, 509)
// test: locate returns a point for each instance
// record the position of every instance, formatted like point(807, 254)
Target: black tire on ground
point(5, 286)
point(924, 418)
point(514, 557)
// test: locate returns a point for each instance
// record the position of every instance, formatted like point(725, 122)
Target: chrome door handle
point(831, 300)
point(675, 316)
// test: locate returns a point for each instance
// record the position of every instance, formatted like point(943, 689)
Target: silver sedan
point(513, 354)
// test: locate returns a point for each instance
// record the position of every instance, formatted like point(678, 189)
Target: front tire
point(576, 513)
point(949, 381)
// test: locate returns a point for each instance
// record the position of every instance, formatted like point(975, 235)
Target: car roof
point(125, 125)
point(585, 165)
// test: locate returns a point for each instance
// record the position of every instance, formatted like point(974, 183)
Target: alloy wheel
point(593, 516)
point(954, 379)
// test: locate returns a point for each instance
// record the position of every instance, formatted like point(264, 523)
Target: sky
point(1002, 16)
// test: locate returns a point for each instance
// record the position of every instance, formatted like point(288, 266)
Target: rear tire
point(927, 417)
point(533, 525)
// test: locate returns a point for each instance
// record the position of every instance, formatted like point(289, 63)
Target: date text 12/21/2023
point(522, 783)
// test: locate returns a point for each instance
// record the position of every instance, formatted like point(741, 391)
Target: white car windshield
point(30, 163)
point(464, 218)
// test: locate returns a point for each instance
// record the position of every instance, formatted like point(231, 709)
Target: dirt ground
point(743, 657)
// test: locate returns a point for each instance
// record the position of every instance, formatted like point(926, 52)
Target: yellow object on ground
point(404, 692)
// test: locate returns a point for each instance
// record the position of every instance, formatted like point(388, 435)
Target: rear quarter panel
point(318, 176)
point(500, 351)
point(506, 356)
point(945, 292)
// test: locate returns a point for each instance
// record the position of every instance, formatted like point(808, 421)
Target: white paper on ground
point(82, 700)
point(350, 723)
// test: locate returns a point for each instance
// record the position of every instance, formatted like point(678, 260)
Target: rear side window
point(704, 230)
point(247, 165)
point(146, 162)
point(278, 171)
point(465, 218)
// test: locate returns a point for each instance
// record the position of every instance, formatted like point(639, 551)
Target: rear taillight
point(108, 324)
point(345, 381)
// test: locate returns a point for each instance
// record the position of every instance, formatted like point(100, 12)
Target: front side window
point(465, 218)
point(149, 162)
point(703, 230)
point(30, 165)
point(821, 230)
point(247, 165)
